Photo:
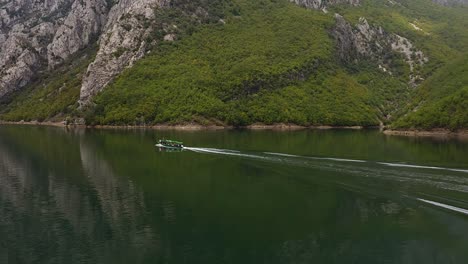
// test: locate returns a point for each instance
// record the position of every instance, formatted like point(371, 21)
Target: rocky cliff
point(124, 40)
point(36, 35)
point(69, 52)
point(135, 27)
point(41, 35)
point(366, 42)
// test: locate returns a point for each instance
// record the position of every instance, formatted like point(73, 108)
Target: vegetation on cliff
point(54, 96)
point(442, 102)
point(275, 62)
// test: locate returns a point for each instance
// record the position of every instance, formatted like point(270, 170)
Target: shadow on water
point(84, 196)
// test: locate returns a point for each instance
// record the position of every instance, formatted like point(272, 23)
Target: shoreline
point(187, 127)
point(436, 133)
point(34, 123)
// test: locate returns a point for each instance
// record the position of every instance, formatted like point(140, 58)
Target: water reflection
point(121, 202)
point(83, 196)
point(46, 211)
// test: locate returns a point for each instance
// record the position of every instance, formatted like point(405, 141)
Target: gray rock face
point(35, 35)
point(124, 41)
point(364, 41)
point(130, 33)
point(80, 27)
point(323, 4)
point(40, 35)
point(18, 64)
point(451, 2)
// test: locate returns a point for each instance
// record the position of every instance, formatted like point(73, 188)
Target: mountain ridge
point(387, 57)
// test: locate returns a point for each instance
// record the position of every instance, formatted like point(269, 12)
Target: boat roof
point(172, 141)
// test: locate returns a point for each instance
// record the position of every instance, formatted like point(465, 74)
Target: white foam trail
point(446, 206)
point(238, 153)
point(421, 167)
point(226, 152)
point(284, 155)
point(348, 160)
point(296, 156)
point(447, 182)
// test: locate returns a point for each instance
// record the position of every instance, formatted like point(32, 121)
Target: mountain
point(40, 35)
point(442, 101)
point(235, 62)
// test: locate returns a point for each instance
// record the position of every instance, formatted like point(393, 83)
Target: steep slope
point(123, 42)
point(136, 27)
point(442, 102)
point(378, 68)
point(271, 64)
point(36, 35)
point(239, 62)
point(53, 96)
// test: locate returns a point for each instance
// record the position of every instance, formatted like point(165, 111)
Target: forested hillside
point(442, 101)
point(400, 63)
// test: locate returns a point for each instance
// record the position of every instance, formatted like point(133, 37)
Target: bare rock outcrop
point(366, 42)
point(451, 2)
point(123, 42)
point(39, 35)
point(133, 28)
point(323, 4)
point(18, 64)
point(82, 25)
point(36, 35)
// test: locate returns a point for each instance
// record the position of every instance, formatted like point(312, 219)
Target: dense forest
point(271, 62)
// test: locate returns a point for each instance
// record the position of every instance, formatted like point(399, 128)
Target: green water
point(94, 196)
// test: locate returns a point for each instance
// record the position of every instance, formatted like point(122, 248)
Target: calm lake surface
point(95, 196)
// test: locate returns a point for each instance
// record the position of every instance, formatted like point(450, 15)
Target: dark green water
point(87, 196)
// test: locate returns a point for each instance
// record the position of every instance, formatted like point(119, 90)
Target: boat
point(170, 144)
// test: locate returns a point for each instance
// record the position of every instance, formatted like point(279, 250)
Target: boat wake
point(445, 206)
point(408, 177)
point(317, 158)
point(271, 155)
point(421, 167)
